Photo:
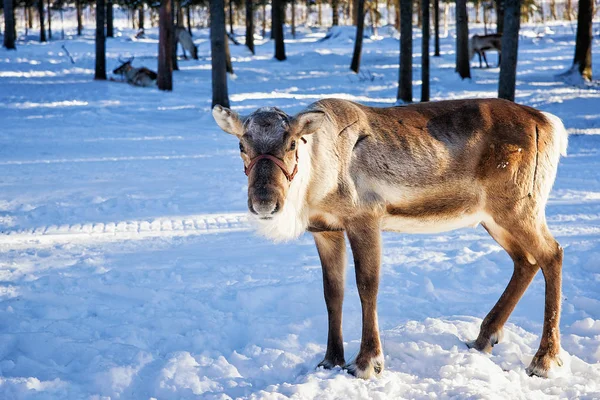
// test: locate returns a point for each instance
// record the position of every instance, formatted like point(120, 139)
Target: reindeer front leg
point(365, 240)
point(332, 252)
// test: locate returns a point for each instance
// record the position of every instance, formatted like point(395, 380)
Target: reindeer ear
point(228, 120)
point(307, 122)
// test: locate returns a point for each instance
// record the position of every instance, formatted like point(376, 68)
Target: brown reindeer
point(479, 44)
point(339, 167)
point(135, 76)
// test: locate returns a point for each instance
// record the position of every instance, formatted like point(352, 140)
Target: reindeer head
point(124, 68)
point(269, 143)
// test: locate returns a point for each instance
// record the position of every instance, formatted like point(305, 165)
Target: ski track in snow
point(133, 230)
point(127, 269)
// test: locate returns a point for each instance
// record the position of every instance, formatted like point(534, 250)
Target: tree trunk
point(568, 10)
point(79, 20)
point(405, 80)
point(477, 8)
point(553, 10)
point(231, 17)
point(9, 25)
point(173, 38)
point(264, 19)
point(250, 26)
point(319, 13)
point(141, 17)
point(419, 14)
point(334, 12)
point(360, 27)
point(425, 52)
point(29, 17)
point(109, 19)
point(462, 40)
point(277, 29)
point(436, 18)
point(62, 24)
point(41, 13)
point(485, 20)
point(293, 4)
point(228, 64)
point(217, 50)
point(165, 44)
point(583, 44)
point(49, 20)
point(179, 20)
point(500, 16)
point(25, 19)
point(100, 72)
point(188, 19)
point(510, 47)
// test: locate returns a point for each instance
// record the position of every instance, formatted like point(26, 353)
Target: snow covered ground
point(127, 270)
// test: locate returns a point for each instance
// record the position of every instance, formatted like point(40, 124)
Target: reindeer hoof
point(329, 364)
point(366, 368)
point(541, 364)
point(484, 344)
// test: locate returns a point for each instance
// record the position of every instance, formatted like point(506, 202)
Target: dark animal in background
point(185, 39)
point(135, 76)
point(479, 44)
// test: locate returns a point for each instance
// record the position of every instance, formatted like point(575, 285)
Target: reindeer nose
point(264, 208)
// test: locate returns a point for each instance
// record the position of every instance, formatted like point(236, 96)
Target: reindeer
point(340, 168)
point(479, 44)
point(135, 76)
point(184, 37)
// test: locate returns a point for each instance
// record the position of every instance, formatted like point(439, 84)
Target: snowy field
point(127, 269)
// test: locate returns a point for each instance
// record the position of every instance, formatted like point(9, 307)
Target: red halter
point(278, 161)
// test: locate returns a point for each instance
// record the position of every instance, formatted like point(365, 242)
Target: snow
point(128, 269)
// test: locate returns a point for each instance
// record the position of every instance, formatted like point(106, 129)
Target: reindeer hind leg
point(525, 268)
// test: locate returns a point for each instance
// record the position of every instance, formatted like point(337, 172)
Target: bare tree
point(583, 45)
point(217, 51)
point(49, 20)
point(9, 25)
point(229, 65)
point(360, 28)
point(334, 11)
point(40, 4)
point(79, 19)
point(165, 46)
point(405, 93)
point(188, 19)
point(173, 38)
point(231, 17)
point(293, 6)
point(510, 47)
point(264, 18)
point(100, 72)
point(109, 19)
point(141, 17)
point(436, 18)
point(277, 29)
point(250, 25)
point(425, 52)
point(499, 16)
point(462, 40)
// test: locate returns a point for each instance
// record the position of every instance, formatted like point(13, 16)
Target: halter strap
point(278, 161)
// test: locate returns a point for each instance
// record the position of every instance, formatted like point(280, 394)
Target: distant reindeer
point(135, 76)
point(184, 37)
point(479, 44)
point(340, 168)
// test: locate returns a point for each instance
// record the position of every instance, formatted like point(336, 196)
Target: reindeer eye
point(241, 147)
point(293, 145)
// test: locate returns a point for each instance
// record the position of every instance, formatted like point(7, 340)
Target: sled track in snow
point(129, 230)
